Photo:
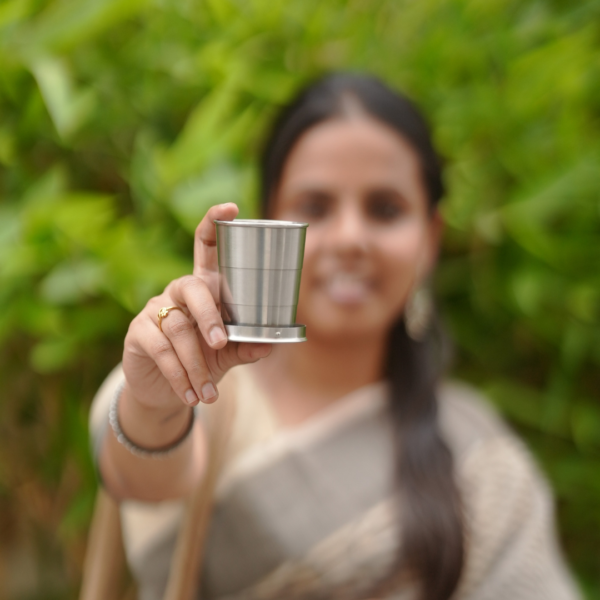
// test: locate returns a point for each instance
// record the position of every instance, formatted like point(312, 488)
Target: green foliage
point(122, 121)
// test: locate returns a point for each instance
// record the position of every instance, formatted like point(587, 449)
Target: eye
point(314, 205)
point(384, 205)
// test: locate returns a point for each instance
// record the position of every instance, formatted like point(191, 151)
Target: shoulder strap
point(104, 567)
point(186, 563)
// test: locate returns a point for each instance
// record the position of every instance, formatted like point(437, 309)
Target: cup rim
point(265, 223)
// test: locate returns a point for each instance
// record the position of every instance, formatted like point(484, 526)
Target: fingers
point(192, 293)
point(198, 309)
point(249, 353)
point(235, 354)
point(184, 356)
point(205, 239)
point(178, 354)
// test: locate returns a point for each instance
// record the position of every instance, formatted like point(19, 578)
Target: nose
point(349, 231)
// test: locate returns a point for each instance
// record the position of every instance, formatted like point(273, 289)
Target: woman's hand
point(187, 359)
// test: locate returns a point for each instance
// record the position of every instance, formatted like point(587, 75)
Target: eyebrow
point(310, 186)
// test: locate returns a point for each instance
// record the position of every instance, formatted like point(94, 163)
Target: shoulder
point(467, 418)
point(512, 550)
point(501, 484)
point(491, 461)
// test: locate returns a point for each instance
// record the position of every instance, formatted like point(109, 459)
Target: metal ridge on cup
point(261, 223)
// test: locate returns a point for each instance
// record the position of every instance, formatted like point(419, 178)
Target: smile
point(348, 288)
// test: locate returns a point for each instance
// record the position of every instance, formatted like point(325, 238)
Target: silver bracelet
point(140, 451)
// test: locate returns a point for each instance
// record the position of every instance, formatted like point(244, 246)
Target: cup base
point(266, 334)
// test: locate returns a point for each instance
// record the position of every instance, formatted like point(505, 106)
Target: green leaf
point(192, 199)
point(66, 23)
point(51, 355)
point(585, 423)
point(73, 281)
point(13, 11)
point(45, 189)
point(68, 108)
point(7, 147)
point(84, 218)
point(201, 138)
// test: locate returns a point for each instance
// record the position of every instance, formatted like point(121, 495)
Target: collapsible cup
point(260, 264)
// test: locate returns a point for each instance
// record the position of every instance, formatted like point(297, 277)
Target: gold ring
point(163, 312)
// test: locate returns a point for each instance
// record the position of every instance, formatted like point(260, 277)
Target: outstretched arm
point(167, 372)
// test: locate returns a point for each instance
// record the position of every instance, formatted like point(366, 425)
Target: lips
point(347, 288)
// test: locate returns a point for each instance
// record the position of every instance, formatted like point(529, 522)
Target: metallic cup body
point(260, 265)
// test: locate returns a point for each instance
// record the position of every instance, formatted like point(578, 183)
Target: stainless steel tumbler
point(260, 264)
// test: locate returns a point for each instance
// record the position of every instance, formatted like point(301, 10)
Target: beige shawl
point(310, 511)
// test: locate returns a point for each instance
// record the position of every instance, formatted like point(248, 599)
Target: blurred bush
point(121, 121)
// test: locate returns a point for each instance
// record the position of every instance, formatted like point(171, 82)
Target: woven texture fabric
point(309, 512)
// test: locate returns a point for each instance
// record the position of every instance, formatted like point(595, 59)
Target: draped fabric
point(310, 511)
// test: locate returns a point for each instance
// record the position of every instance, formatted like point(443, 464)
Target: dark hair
point(431, 550)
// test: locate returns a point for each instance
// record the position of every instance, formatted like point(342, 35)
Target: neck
point(328, 369)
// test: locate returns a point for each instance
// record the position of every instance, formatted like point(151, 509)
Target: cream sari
point(310, 512)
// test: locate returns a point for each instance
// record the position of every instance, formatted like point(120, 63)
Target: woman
point(352, 471)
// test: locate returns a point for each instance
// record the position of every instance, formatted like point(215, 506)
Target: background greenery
point(121, 121)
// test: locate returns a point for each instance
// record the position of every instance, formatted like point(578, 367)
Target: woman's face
point(371, 238)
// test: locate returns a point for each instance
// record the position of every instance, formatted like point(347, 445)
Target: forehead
point(355, 150)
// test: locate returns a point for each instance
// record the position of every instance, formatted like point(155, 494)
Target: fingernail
point(208, 391)
point(190, 397)
point(216, 335)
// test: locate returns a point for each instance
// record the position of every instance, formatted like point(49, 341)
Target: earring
point(418, 313)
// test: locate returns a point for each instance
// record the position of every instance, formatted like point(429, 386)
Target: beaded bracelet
point(140, 451)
